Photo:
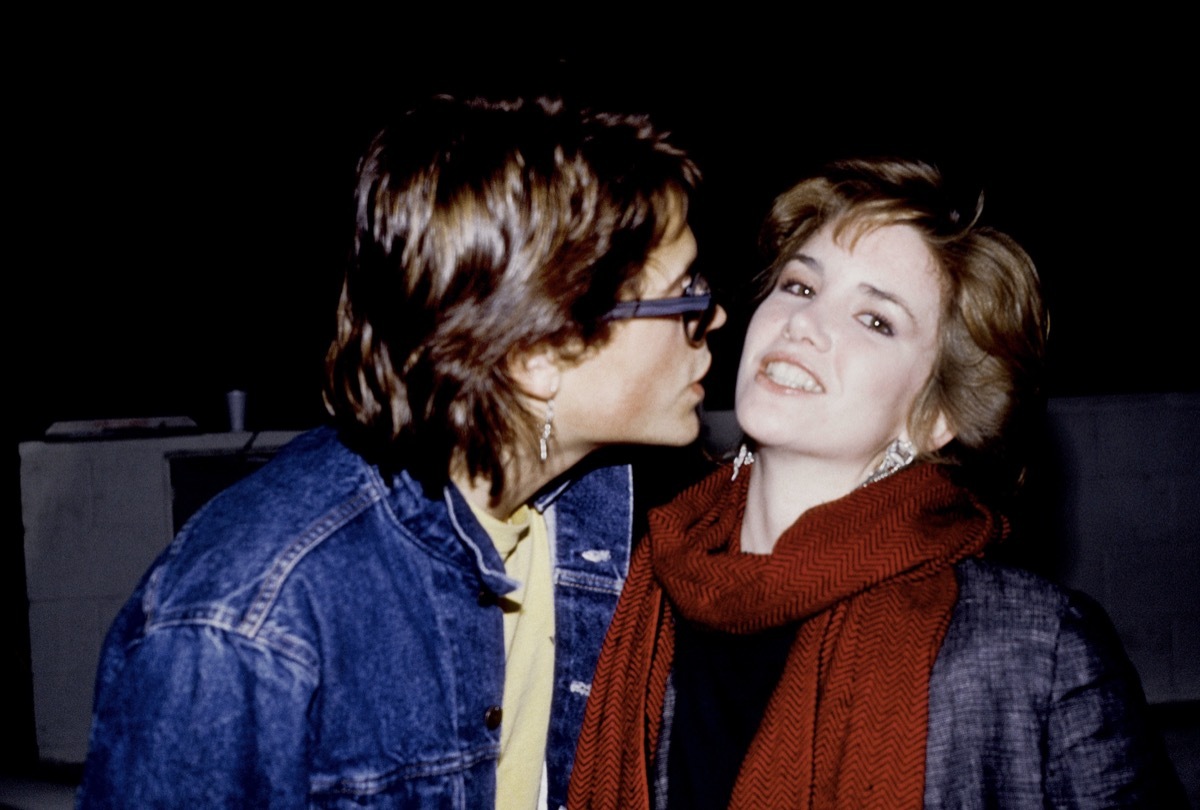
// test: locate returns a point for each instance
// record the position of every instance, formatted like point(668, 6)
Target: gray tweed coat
point(1033, 703)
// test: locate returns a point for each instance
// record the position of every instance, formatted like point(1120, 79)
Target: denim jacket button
point(492, 717)
point(487, 598)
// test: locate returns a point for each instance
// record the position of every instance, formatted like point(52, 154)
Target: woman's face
point(644, 383)
point(838, 351)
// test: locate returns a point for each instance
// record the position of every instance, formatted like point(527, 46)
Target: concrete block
point(1073, 432)
point(63, 714)
point(1185, 645)
point(56, 635)
point(1185, 503)
point(1149, 643)
point(1152, 579)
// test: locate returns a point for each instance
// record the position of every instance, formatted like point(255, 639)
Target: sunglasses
point(696, 305)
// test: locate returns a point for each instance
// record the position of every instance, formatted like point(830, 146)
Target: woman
point(405, 611)
point(820, 631)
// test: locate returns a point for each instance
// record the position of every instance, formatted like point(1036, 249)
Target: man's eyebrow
point(688, 272)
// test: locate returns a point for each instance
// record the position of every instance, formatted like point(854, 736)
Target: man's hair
point(485, 229)
point(993, 327)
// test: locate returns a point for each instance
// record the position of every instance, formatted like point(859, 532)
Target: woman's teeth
point(791, 376)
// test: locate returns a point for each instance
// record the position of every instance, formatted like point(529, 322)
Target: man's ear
point(535, 372)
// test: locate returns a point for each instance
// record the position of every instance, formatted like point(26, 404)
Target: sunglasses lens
point(695, 324)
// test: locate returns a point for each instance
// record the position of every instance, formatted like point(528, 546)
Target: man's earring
point(547, 429)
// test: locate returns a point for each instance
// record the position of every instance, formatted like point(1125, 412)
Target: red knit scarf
point(870, 579)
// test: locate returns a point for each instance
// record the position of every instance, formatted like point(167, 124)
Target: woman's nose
point(806, 324)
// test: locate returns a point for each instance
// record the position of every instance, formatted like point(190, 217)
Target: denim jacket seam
point(432, 549)
point(214, 618)
point(598, 583)
point(459, 762)
point(283, 565)
point(472, 543)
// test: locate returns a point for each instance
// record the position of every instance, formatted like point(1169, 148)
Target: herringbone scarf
point(868, 578)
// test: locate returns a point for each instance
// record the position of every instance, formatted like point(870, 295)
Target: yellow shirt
point(523, 542)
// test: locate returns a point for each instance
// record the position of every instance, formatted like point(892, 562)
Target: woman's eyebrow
point(883, 295)
point(810, 262)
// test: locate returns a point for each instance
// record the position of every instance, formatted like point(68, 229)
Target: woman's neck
point(783, 487)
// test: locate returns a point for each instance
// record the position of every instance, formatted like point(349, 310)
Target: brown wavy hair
point(485, 228)
point(986, 379)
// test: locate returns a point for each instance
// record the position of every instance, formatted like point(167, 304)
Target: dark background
point(185, 207)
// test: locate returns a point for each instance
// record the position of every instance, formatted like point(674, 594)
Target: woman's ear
point(941, 434)
point(536, 372)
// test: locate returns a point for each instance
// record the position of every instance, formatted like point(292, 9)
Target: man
point(405, 609)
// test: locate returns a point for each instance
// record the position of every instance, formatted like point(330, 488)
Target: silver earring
point(744, 459)
point(899, 454)
point(547, 429)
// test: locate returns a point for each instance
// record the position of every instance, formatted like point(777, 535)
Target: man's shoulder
point(261, 528)
point(312, 475)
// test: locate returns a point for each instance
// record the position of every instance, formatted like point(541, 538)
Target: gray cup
point(235, 402)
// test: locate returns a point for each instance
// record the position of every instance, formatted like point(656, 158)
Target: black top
point(722, 684)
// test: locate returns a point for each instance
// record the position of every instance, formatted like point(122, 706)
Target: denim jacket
point(317, 636)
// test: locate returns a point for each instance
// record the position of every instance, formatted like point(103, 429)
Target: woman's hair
point(992, 335)
point(484, 229)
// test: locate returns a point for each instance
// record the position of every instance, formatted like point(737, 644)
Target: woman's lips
point(789, 375)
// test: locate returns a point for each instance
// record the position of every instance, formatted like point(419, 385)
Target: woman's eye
point(797, 287)
point(876, 323)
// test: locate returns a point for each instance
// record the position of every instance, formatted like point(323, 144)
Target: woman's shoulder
point(1032, 698)
point(1015, 623)
point(998, 598)
point(1007, 594)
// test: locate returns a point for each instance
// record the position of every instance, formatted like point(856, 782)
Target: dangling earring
point(899, 454)
point(547, 429)
point(744, 459)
